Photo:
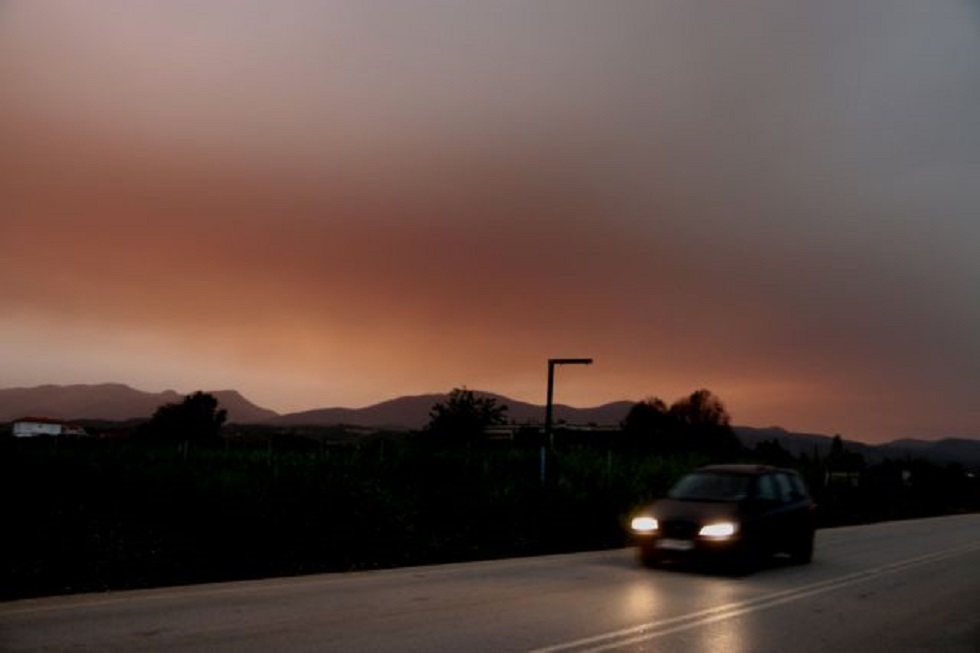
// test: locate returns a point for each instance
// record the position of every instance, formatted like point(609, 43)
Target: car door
point(766, 515)
point(786, 517)
point(799, 509)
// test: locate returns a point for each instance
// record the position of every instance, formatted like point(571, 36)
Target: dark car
point(734, 513)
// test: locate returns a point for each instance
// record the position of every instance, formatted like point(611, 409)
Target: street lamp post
point(549, 406)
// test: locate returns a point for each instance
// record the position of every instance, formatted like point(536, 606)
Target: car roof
point(750, 470)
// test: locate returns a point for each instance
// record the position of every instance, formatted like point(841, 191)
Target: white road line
point(660, 628)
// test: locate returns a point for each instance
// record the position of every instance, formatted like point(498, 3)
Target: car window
point(711, 486)
point(784, 488)
point(798, 489)
point(767, 490)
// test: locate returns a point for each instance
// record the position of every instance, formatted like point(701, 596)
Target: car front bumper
point(661, 547)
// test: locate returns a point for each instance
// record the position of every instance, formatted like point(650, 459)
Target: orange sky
point(332, 204)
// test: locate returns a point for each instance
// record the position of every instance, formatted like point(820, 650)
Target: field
point(93, 515)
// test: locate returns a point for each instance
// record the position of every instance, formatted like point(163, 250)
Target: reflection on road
point(646, 597)
point(727, 625)
point(641, 600)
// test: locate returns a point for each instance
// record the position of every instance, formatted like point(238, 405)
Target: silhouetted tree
point(841, 459)
point(837, 446)
point(772, 452)
point(706, 424)
point(648, 426)
point(700, 408)
point(464, 416)
point(197, 418)
point(696, 423)
point(646, 415)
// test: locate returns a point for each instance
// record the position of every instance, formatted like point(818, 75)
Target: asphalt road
point(899, 586)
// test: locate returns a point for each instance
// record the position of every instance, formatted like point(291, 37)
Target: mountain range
point(945, 450)
point(413, 413)
point(112, 402)
point(119, 402)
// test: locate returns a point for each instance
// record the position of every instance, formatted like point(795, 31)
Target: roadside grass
point(92, 515)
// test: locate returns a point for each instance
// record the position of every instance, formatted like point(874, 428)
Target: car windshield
point(711, 486)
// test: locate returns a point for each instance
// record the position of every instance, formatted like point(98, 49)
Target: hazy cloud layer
point(332, 204)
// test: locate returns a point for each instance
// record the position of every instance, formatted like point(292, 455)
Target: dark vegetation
point(183, 499)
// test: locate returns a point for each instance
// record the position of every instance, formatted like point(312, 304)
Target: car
point(738, 514)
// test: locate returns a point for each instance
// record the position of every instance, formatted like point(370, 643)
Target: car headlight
point(719, 530)
point(644, 524)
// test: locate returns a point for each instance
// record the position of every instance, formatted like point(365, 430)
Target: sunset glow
point(333, 204)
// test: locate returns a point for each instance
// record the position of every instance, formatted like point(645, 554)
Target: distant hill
point(111, 401)
point(412, 412)
point(958, 450)
point(401, 413)
point(120, 403)
point(795, 443)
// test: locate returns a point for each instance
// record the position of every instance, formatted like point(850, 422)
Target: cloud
point(774, 202)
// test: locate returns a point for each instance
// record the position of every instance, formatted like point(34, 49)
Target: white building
point(28, 427)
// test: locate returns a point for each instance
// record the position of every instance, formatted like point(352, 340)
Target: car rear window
point(711, 486)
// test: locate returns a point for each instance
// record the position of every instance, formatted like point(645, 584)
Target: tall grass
point(90, 515)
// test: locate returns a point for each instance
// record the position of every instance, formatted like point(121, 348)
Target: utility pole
point(549, 407)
